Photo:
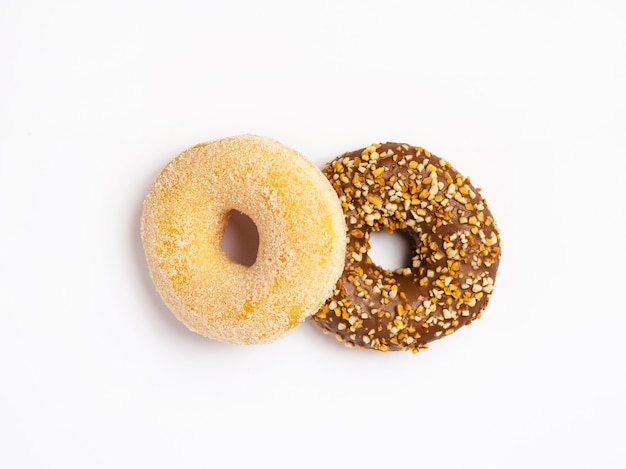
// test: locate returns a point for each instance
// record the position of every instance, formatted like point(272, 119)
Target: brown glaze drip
point(456, 253)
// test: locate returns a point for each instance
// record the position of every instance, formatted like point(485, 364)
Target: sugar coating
point(302, 238)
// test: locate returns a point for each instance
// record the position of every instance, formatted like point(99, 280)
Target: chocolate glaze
point(456, 253)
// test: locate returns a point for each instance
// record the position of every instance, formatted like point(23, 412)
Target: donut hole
point(391, 251)
point(241, 239)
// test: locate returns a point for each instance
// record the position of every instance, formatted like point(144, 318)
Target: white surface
point(528, 99)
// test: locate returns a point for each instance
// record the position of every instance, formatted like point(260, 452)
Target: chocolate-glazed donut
point(456, 252)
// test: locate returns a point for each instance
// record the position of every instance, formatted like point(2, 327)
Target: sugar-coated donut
point(302, 236)
point(456, 253)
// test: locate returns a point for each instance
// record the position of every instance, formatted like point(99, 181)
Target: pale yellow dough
point(302, 236)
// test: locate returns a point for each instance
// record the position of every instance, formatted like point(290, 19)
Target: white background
point(525, 97)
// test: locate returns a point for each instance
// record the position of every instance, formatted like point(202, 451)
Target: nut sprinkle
point(456, 249)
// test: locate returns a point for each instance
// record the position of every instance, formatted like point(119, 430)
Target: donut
point(301, 231)
point(455, 254)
